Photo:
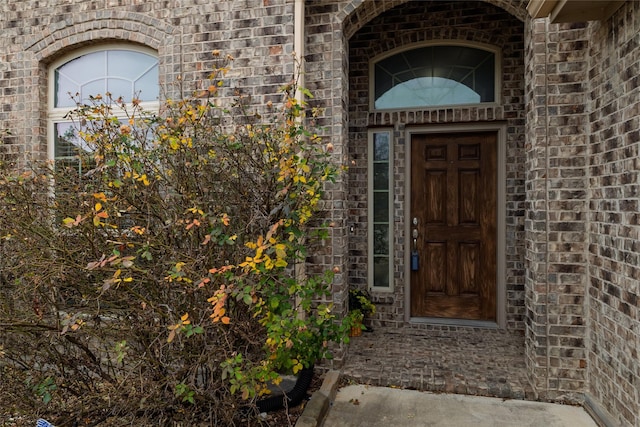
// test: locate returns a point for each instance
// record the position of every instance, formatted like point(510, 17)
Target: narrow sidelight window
point(380, 198)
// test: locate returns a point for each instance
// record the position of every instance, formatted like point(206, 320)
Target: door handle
point(415, 258)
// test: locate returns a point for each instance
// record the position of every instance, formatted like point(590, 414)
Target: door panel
point(453, 199)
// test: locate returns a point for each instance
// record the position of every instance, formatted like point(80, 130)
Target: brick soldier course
point(570, 109)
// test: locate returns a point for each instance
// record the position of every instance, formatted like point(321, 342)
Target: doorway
point(452, 227)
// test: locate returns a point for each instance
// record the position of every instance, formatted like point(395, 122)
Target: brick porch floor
point(460, 360)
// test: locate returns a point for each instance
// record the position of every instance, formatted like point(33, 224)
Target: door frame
point(501, 293)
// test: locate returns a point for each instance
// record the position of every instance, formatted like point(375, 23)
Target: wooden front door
point(453, 225)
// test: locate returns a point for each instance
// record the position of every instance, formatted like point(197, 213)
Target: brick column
point(326, 78)
point(557, 202)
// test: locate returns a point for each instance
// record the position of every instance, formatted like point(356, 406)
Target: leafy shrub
point(156, 277)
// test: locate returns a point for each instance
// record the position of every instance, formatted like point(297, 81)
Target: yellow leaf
point(225, 320)
point(98, 206)
point(100, 196)
point(297, 368)
point(281, 250)
point(138, 230)
point(184, 317)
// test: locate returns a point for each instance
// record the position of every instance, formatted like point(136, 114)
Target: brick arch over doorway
point(358, 12)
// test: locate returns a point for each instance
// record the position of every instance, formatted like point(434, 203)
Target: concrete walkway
point(369, 406)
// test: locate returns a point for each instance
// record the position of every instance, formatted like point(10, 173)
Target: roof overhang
point(573, 10)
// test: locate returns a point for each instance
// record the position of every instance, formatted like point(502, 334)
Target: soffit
point(560, 11)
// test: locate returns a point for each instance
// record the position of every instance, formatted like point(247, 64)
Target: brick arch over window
point(106, 25)
point(359, 12)
point(94, 27)
point(443, 35)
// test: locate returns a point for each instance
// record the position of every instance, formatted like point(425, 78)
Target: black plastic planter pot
point(290, 399)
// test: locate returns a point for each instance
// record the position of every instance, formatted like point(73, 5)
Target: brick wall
point(557, 183)
point(325, 77)
point(614, 214)
point(411, 23)
point(258, 33)
point(535, 222)
point(582, 229)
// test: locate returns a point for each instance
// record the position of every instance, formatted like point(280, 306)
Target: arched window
point(431, 76)
point(123, 70)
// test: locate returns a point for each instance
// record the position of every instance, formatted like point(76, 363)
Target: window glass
point(381, 239)
point(381, 269)
point(381, 176)
point(381, 147)
point(380, 216)
point(123, 73)
point(381, 206)
point(121, 70)
point(434, 76)
point(67, 142)
point(67, 147)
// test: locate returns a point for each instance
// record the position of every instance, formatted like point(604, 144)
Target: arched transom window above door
point(435, 75)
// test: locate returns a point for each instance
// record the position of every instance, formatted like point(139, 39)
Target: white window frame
point(56, 115)
point(497, 76)
point(370, 214)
